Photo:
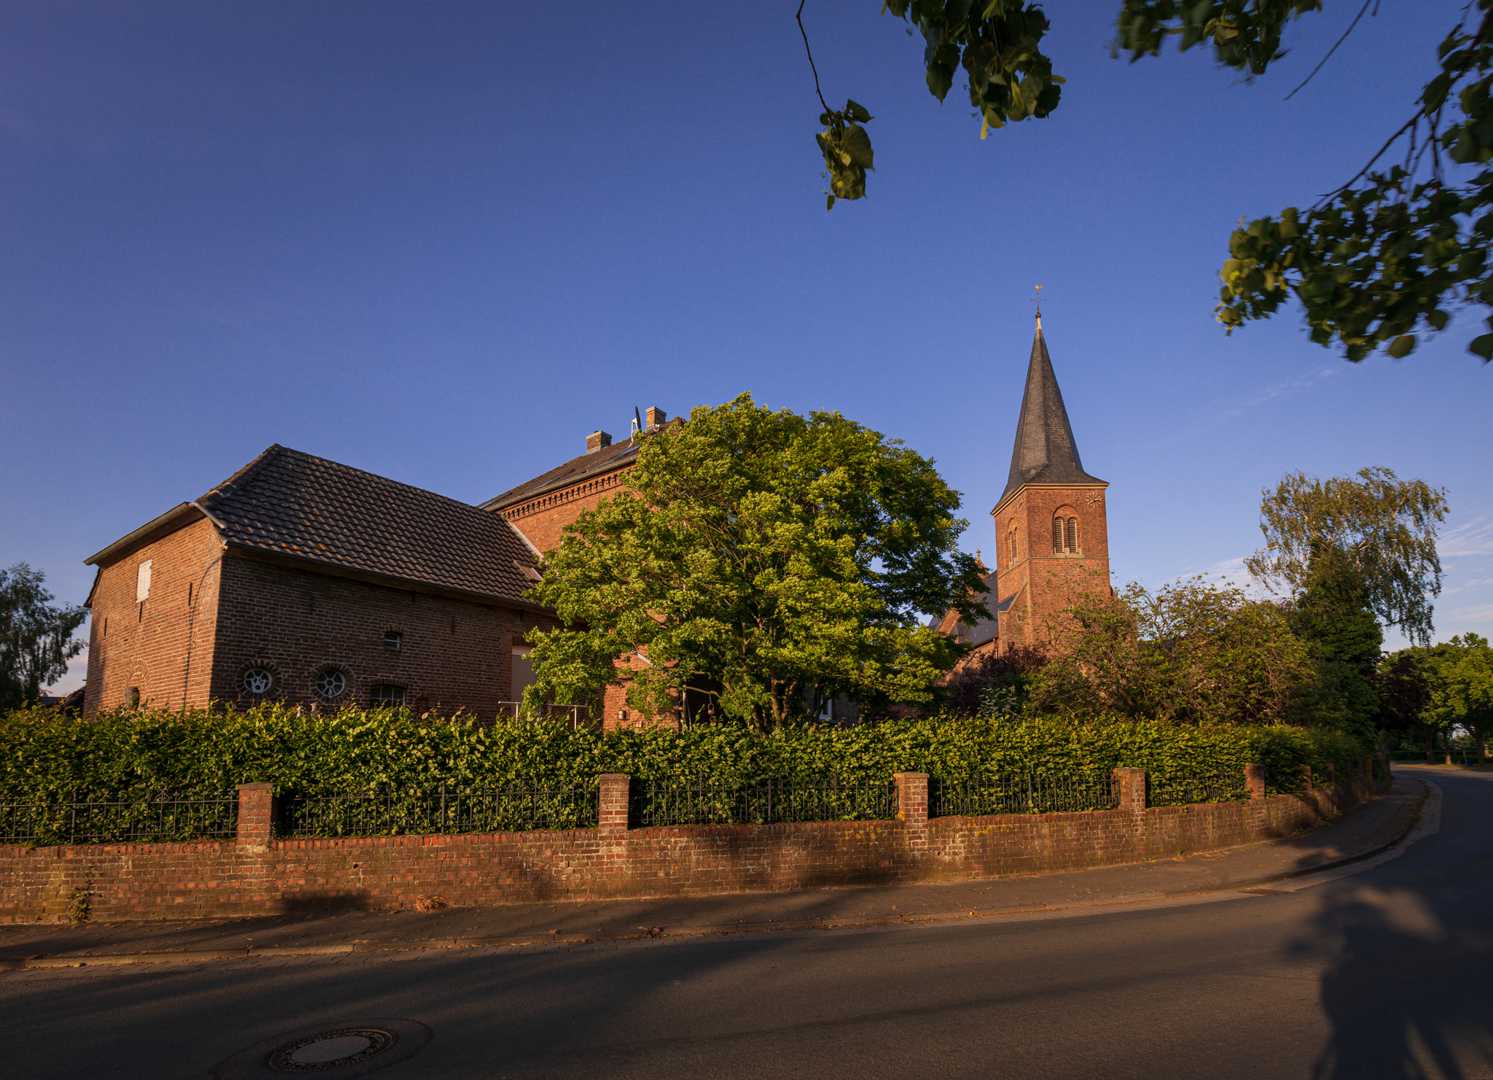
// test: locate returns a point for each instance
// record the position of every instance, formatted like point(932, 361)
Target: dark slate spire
point(1045, 452)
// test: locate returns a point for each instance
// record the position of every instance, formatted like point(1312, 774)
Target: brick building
point(308, 581)
point(303, 580)
point(1051, 529)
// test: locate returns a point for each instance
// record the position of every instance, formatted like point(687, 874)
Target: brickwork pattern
point(163, 646)
point(543, 520)
point(452, 653)
point(1047, 583)
point(255, 875)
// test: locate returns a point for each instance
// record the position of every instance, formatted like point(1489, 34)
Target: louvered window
point(1065, 535)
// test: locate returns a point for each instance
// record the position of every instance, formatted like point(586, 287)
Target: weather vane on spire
point(1037, 299)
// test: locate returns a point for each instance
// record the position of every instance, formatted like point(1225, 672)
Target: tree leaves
point(36, 638)
point(763, 561)
point(1384, 527)
point(847, 151)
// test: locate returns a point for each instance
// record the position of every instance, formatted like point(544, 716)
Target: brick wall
point(542, 520)
point(257, 875)
point(1048, 583)
point(162, 646)
point(452, 653)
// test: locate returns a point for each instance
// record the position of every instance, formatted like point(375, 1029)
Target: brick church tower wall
point(1045, 582)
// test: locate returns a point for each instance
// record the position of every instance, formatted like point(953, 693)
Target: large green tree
point(1332, 615)
point(1375, 525)
point(36, 637)
point(1403, 684)
point(1461, 680)
point(1379, 261)
point(762, 561)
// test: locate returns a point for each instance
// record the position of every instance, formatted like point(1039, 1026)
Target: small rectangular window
point(142, 582)
point(393, 640)
point(132, 697)
point(386, 695)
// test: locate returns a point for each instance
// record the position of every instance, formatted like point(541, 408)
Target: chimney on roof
point(597, 440)
point(654, 417)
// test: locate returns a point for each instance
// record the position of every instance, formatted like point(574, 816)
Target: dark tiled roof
point(292, 504)
point(1045, 452)
point(605, 460)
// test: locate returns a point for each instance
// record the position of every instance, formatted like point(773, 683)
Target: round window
point(258, 681)
point(331, 684)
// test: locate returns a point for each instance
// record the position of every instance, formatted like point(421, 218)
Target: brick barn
point(307, 581)
point(303, 580)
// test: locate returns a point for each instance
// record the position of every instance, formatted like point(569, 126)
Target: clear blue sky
point(443, 242)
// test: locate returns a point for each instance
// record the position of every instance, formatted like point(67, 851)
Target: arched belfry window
point(1011, 546)
point(1065, 533)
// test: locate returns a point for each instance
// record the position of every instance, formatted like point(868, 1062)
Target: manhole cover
point(343, 1051)
point(331, 1049)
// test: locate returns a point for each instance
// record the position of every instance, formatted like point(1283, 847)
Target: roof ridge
point(276, 449)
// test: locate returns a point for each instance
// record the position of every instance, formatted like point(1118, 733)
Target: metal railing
point(761, 802)
point(1181, 789)
point(159, 819)
point(572, 716)
point(1020, 793)
point(389, 812)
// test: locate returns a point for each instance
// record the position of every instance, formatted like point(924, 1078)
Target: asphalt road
point(1386, 973)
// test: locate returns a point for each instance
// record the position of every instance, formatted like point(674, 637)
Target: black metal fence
point(1020, 793)
point(1211, 786)
point(159, 818)
point(761, 802)
point(392, 812)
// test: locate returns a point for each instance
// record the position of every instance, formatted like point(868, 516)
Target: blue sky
point(443, 242)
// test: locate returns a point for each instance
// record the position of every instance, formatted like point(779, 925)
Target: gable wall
point(542, 520)
point(164, 645)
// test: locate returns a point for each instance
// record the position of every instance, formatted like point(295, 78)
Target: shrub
point(130, 754)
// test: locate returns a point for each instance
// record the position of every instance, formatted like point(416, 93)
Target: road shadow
point(1406, 984)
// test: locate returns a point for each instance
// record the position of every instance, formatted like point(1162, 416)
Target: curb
point(556, 939)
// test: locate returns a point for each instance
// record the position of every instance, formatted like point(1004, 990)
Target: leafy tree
point(1461, 680)
point(766, 562)
point(36, 639)
point(1332, 616)
point(1382, 528)
point(1377, 262)
point(1190, 652)
point(1404, 692)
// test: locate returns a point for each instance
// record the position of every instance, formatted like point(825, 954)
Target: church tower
point(1051, 534)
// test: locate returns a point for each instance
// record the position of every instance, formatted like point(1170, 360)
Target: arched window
point(1065, 532)
point(1011, 546)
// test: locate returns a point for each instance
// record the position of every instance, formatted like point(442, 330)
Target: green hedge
point(45, 756)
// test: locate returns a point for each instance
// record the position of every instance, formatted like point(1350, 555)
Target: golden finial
point(1037, 299)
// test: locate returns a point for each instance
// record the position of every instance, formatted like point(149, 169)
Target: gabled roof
point(594, 463)
point(1045, 452)
point(985, 628)
point(290, 504)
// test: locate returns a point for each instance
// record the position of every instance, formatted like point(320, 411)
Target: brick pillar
point(1131, 786)
point(611, 806)
point(1254, 779)
point(912, 806)
point(256, 815)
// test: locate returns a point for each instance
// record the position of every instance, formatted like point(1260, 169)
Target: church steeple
point(1045, 452)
